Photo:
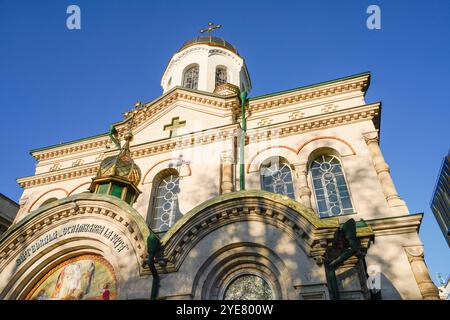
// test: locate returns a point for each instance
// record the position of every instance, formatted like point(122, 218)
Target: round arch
point(296, 221)
point(82, 224)
point(58, 193)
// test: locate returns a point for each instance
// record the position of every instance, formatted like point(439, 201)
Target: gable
point(178, 119)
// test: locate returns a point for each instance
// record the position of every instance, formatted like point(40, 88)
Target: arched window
point(249, 287)
point(330, 187)
point(49, 200)
point(165, 210)
point(276, 177)
point(221, 75)
point(190, 78)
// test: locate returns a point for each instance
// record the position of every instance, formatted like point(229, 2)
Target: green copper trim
point(134, 215)
point(243, 97)
point(112, 133)
point(305, 212)
point(69, 142)
point(311, 86)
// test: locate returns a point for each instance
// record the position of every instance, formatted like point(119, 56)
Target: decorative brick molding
point(297, 151)
point(80, 185)
point(327, 137)
point(44, 194)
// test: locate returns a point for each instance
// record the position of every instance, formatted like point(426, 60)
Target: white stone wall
point(207, 58)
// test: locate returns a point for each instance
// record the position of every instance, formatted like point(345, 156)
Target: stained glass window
point(190, 79)
point(221, 76)
point(166, 211)
point(249, 287)
point(330, 187)
point(276, 177)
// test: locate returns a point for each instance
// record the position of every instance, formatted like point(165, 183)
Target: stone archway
point(80, 225)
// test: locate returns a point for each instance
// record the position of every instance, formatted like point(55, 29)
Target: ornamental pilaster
point(383, 172)
point(420, 270)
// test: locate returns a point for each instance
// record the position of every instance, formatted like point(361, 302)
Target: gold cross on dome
point(176, 123)
point(130, 114)
point(211, 27)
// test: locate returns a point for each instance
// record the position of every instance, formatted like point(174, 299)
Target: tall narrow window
point(330, 187)
point(190, 79)
point(276, 177)
point(165, 203)
point(221, 76)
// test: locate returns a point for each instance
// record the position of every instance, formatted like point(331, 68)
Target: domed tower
point(207, 63)
point(118, 175)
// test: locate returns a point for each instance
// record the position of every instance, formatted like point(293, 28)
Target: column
point(227, 161)
point(420, 270)
point(303, 188)
point(384, 175)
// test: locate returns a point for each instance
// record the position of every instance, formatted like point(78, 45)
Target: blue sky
point(58, 85)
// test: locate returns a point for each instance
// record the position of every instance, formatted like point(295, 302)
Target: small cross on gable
point(173, 127)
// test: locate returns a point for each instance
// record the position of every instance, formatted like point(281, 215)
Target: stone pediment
point(197, 103)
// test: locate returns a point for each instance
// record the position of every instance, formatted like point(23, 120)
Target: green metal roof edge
point(142, 225)
point(69, 142)
point(310, 86)
point(296, 206)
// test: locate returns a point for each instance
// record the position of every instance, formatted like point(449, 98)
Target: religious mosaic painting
point(87, 277)
point(249, 287)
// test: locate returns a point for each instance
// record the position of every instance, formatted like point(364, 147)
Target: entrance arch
point(81, 225)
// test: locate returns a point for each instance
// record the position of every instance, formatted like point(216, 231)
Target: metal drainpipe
point(243, 97)
point(153, 247)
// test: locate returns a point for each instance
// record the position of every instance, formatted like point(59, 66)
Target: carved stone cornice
point(72, 148)
point(355, 114)
point(60, 175)
point(224, 104)
point(218, 134)
point(317, 92)
point(396, 225)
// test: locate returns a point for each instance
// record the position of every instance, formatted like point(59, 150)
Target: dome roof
point(210, 40)
point(121, 166)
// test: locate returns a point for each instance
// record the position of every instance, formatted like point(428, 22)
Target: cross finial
point(130, 114)
point(210, 28)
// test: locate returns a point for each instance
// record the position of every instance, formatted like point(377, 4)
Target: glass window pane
point(330, 187)
point(103, 188)
point(276, 177)
point(190, 79)
point(166, 210)
point(221, 76)
point(116, 191)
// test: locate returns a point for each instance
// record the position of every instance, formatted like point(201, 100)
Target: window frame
point(282, 162)
point(313, 188)
point(185, 74)
point(152, 210)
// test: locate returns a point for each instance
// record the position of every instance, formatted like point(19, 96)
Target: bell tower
point(206, 63)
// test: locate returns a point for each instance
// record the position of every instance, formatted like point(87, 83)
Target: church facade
point(204, 193)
